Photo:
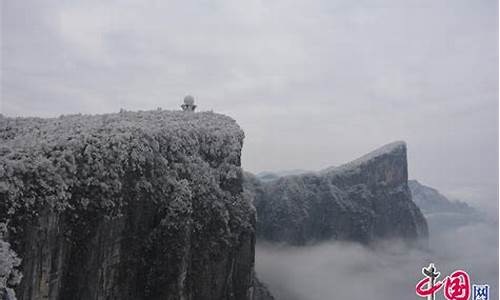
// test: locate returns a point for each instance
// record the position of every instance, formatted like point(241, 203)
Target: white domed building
point(188, 104)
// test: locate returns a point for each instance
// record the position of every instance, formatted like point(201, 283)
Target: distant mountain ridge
point(430, 200)
point(441, 213)
point(364, 200)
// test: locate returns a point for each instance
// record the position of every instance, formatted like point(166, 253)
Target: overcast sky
point(312, 83)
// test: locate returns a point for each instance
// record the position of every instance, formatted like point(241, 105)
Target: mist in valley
point(388, 270)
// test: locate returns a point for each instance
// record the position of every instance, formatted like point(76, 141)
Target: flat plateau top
point(18, 132)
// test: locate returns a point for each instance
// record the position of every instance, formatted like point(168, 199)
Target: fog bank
point(339, 270)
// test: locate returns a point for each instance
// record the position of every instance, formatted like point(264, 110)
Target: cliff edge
point(132, 205)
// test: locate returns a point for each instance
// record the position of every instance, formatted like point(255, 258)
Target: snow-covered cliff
point(133, 205)
point(364, 200)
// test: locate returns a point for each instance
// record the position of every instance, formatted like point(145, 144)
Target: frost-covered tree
point(9, 274)
point(159, 192)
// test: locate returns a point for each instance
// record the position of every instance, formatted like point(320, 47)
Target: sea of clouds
point(388, 270)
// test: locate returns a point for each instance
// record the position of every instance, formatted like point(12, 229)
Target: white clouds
point(350, 271)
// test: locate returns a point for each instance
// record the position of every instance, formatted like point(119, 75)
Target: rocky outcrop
point(145, 205)
point(261, 292)
point(364, 200)
point(9, 262)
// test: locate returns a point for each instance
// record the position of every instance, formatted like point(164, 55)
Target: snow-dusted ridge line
point(386, 149)
point(25, 131)
point(364, 200)
point(397, 146)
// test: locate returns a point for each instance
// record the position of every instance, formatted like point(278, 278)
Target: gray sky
point(312, 83)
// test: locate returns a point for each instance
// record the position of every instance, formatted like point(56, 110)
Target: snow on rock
point(9, 263)
point(397, 148)
point(131, 205)
point(387, 149)
point(364, 200)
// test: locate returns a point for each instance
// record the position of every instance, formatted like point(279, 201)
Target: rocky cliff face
point(144, 205)
point(364, 200)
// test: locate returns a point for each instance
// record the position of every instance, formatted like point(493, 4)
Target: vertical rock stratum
point(133, 205)
point(364, 200)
